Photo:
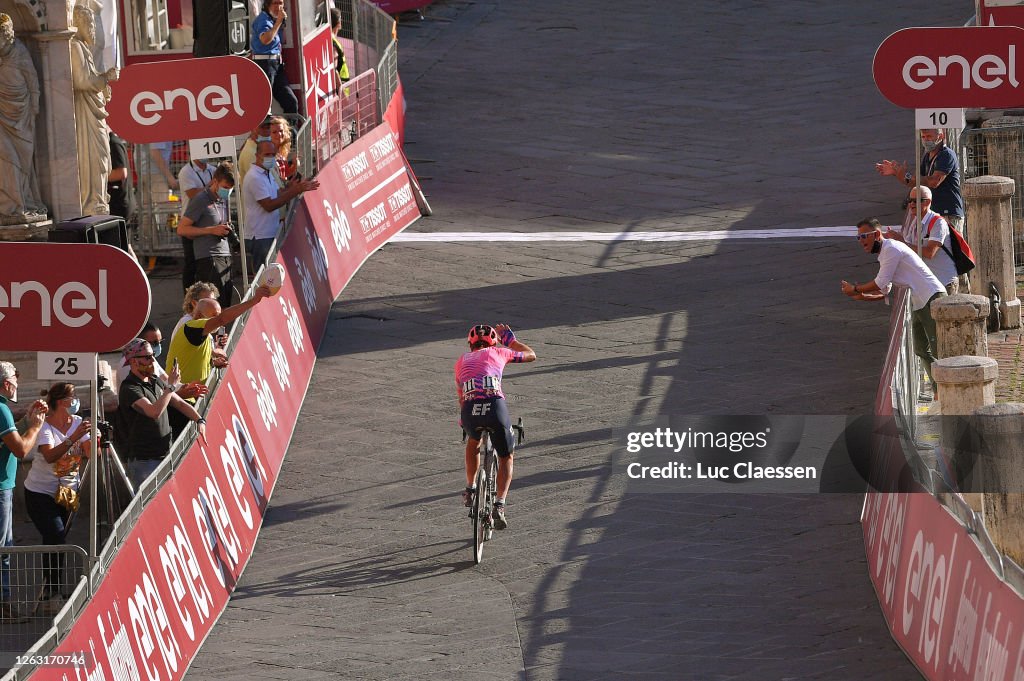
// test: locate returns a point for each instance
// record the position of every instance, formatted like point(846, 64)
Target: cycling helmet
point(483, 333)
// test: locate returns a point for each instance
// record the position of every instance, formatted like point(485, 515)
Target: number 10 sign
point(925, 119)
point(212, 147)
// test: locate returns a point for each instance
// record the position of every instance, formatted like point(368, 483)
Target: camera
point(106, 432)
point(232, 237)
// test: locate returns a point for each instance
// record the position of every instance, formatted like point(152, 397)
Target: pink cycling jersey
point(478, 373)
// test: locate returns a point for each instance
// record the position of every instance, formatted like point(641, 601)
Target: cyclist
point(478, 381)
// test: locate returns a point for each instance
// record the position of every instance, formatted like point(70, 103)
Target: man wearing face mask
point(14, 445)
point(940, 172)
point(247, 155)
point(262, 197)
point(206, 223)
point(898, 264)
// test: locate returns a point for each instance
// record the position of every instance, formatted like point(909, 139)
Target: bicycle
point(481, 510)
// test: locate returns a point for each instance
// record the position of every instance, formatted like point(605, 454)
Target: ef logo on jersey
point(481, 408)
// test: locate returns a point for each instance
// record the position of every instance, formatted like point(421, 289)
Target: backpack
point(960, 251)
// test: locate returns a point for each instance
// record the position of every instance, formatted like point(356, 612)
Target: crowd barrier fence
point(173, 558)
point(951, 600)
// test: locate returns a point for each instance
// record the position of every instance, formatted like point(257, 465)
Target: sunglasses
point(863, 237)
point(145, 358)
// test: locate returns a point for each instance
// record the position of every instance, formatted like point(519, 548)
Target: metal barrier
point(373, 30)
point(998, 151)
point(387, 76)
point(49, 588)
point(906, 376)
point(347, 118)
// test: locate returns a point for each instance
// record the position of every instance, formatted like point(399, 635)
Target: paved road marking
point(721, 235)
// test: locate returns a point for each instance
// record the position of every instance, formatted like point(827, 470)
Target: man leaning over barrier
point(190, 346)
point(899, 265)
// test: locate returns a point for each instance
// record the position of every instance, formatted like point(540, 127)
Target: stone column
point(990, 215)
point(1002, 146)
point(1000, 437)
point(966, 384)
point(960, 322)
point(57, 157)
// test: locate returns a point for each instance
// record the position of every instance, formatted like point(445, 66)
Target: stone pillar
point(1005, 155)
point(990, 215)
point(1000, 437)
point(960, 322)
point(1002, 146)
point(57, 157)
point(966, 384)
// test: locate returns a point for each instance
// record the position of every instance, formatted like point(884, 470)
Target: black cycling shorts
point(489, 413)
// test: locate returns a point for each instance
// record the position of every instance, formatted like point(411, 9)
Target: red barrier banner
point(395, 113)
point(173, 576)
point(945, 607)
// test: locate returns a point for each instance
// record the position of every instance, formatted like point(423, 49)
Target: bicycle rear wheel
point(492, 489)
point(481, 508)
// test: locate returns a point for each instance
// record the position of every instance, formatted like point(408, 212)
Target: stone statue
point(91, 96)
point(19, 105)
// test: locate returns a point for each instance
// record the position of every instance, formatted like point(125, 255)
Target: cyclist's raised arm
point(509, 340)
point(528, 354)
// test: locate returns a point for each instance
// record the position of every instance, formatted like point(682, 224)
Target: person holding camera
point(51, 488)
point(206, 222)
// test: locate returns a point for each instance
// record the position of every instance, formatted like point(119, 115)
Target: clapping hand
point(37, 413)
point(192, 390)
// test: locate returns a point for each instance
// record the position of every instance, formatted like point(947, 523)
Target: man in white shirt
point(899, 265)
point(262, 198)
point(937, 245)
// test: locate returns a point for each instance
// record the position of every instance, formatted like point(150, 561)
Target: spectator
point(287, 163)
point(190, 345)
point(13, 446)
point(197, 292)
point(266, 50)
point(901, 266)
point(940, 172)
point(339, 51)
point(156, 166)
point(247, 155)
point(206, 223)
point(193, 294)
point(119, 182)
point(143, 401)
point(151, 334)
point(937, 243)
point(63, 443)
point(262, 198)
point(193, 177)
